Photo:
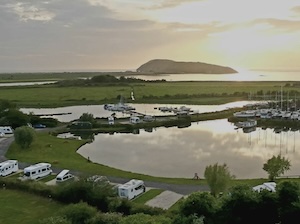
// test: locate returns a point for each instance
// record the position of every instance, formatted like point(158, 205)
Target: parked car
point(39, 126)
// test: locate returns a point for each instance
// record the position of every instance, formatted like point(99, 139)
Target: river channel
point(181, 152)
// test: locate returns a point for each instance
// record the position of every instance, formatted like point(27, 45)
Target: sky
point(99, 35)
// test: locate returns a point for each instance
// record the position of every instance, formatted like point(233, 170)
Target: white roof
point(131, 183)
point(270, 186)
point(63, 173)
point(37, 165)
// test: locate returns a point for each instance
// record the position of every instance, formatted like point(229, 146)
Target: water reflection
point(26, 83)
point(181, 152)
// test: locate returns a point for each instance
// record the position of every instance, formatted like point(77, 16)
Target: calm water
point(26, 83)
point(245, 75)
point(181, 152)
point(149, 109)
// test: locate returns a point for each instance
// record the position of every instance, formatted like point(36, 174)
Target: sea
point(242, 75)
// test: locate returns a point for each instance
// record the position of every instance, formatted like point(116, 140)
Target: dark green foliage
point(239, 206)
point(87, 117)
point(6, 105)
point(48, 122)
point(105, 218)
point(55, 220)
point(145, 219)
point(267, 207)
point(94, 194)
point(288, 192)
point(191, 219)
point(200, 204)
point(124, 207)
point(79, 213)
point(145, 209)
point(24, 136)
point(14, 118)
point(218, 178)
point(289, 201)
point(276, 166)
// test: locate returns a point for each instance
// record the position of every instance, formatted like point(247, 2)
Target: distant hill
point(163, 66)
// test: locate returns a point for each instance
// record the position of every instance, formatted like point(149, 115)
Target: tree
point(14, 118)
point(87, 117)
point(24, 136)
point(276, 166)
point(218, 178)
point(201, 204)
point(79, 213)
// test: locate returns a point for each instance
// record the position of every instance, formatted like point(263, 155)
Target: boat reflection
point(249, 130)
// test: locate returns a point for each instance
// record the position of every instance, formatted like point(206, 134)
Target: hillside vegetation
point(162, 66)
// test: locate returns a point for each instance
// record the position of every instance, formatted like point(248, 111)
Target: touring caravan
point(37, 171)
point(131, 189)
point(6, 130)
point(64, 175)
point(8, 167)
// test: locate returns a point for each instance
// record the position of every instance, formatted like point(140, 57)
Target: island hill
point(163, 66)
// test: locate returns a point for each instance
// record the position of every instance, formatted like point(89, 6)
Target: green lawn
point(148, 195)
point(168, 92)
point(17, 205)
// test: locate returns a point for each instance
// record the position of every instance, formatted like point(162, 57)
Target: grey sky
point(74, 35)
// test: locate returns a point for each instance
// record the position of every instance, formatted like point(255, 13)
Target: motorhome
point(37, 171)
point(131, 189)
point(8, 167)
point(6, 130)
point(64, 175)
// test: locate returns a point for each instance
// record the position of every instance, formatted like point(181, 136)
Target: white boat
point(245, 114)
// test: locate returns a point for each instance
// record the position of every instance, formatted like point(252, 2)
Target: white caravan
point(64, 175)
point(8, 167)
point(6, 130)
point(37, 171)
point(131, 189)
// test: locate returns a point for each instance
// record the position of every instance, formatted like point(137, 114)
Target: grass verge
point(27, 207)
point(147, 196)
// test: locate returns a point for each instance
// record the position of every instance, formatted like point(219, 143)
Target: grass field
point(168, 92)
point(29, 208)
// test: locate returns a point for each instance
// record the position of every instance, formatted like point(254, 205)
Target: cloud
point(28, 11)
point(280, 24)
